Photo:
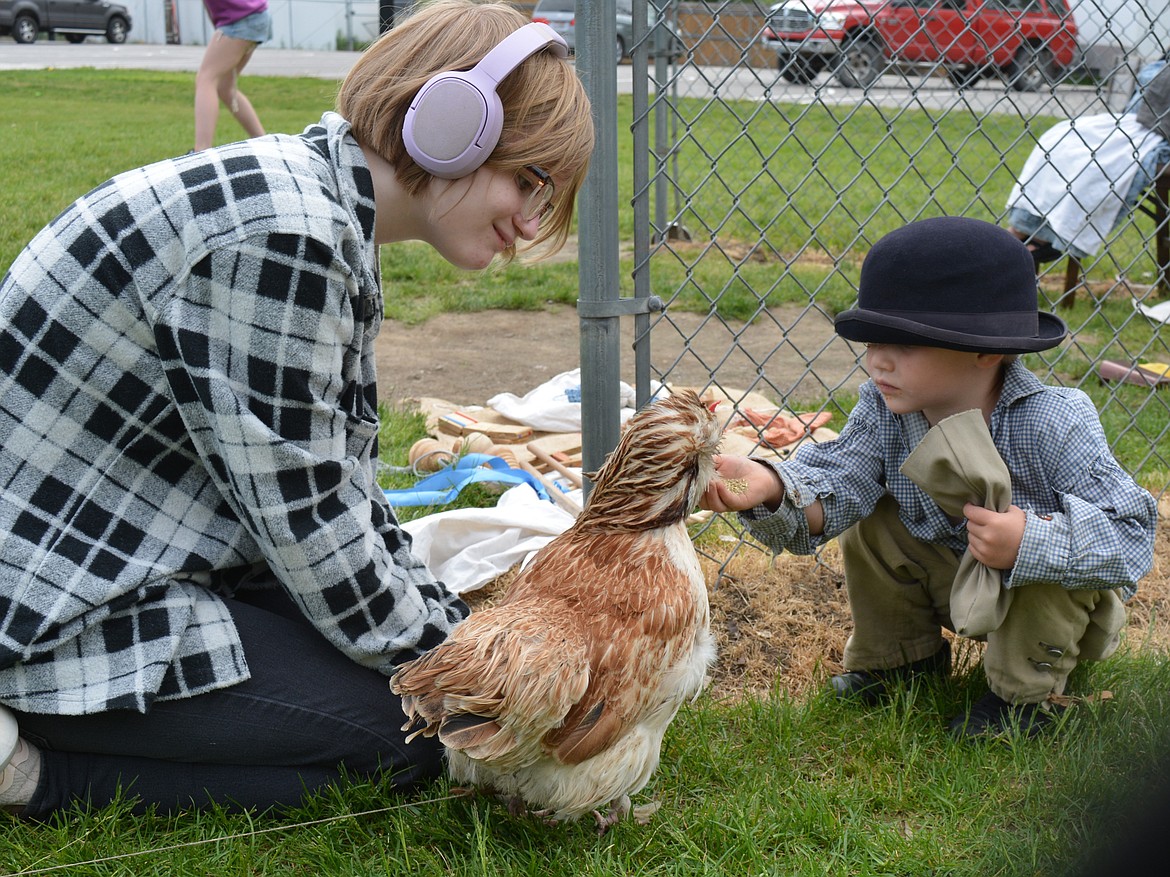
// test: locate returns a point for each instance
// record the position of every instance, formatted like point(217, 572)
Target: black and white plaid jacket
point(187, 405)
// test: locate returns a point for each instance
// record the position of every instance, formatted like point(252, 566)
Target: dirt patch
point(783, 623)
point(468, 358)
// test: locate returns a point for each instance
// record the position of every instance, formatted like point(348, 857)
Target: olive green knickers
point(899, 593)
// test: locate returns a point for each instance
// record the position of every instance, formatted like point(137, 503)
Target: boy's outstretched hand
point(741, 484)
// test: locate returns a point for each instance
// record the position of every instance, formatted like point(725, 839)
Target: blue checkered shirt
point(1088, 524)
point(187, 407)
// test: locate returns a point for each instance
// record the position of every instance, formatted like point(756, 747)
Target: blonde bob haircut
point(547, 118)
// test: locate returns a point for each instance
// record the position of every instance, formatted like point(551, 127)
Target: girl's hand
point(741, 484)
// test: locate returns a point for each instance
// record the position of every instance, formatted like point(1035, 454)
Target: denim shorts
point(256, 28)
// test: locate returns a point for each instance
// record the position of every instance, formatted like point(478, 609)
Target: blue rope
point(445, 485)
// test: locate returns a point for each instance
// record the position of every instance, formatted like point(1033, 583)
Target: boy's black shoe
point(871, 687)
point(992, 716)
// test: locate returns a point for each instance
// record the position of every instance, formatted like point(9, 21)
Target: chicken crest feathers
point(662, 464)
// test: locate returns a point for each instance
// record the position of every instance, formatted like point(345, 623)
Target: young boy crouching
point(967, 495)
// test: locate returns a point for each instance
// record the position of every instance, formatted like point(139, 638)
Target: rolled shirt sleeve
point(1097, 530)
point(847, 476)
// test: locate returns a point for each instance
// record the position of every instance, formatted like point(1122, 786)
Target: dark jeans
point(268, 741)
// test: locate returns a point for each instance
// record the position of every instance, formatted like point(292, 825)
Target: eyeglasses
point(538, 190)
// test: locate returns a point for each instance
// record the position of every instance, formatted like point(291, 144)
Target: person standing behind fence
point(240, 26)
point(1085, 176)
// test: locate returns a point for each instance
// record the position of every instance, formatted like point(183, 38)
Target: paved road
point(730, 83)
point(266, 62)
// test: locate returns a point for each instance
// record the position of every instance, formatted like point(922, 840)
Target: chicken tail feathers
point(585, 733)
point(479, 737)
point(416, 722)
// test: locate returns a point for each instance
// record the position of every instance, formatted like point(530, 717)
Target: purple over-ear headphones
point(454, 121)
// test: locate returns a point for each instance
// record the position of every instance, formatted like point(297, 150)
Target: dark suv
point(74, 19)
point(1027, 42)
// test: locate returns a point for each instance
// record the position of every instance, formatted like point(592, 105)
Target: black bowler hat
point(951, 282)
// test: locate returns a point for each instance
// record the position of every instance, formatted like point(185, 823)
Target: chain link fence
point(788, 138)
point(783, 139)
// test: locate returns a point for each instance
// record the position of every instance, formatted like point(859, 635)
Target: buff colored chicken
point(557, 698)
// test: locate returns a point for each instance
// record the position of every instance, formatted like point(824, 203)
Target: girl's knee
point(406, 765)
point(419, 761)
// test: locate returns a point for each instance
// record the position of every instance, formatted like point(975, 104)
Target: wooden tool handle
point(558, 495)
point(545, 457)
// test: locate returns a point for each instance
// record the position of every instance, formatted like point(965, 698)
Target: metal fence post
point(596, 34)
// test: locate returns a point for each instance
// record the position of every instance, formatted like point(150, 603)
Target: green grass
point(66, 131)
point(776, 786)
point(777, 179)
point(762, 787)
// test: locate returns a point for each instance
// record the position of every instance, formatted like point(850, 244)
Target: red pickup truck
point(1027, 42)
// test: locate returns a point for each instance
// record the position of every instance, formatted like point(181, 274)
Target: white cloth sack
point(554, 406)
point(467, 548)
point(956, 463)
point(1159, 313)
point(1077, 176)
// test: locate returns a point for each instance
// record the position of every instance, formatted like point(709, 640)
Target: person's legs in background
point(217, 80)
